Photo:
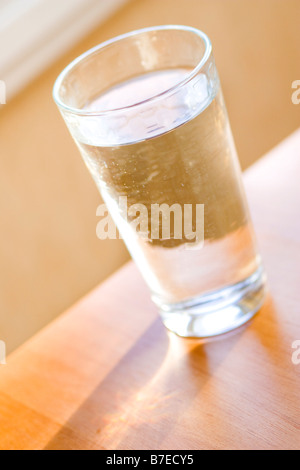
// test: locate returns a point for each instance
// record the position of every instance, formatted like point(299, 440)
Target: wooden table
point(107, 375)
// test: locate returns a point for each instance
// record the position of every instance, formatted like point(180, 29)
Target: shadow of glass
point(142, 398)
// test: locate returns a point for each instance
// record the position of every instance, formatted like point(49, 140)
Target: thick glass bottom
point(219, 312)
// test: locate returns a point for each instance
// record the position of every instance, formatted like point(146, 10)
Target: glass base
point(219, 312)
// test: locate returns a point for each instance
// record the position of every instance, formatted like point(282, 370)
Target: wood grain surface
point(107, 375)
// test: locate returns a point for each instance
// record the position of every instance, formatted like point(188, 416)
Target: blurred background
point(49, 253)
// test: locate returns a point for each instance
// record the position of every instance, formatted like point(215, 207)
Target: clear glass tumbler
point(147, 113)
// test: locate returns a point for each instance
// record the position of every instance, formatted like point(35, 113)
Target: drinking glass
point(147, 113)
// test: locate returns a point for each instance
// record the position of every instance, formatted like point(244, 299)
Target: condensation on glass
point(147, 113)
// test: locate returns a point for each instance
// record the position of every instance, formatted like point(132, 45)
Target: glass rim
point(169, 91)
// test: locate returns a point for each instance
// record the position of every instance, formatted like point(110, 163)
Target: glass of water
point(147, 113)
